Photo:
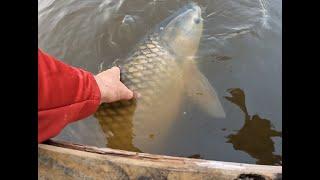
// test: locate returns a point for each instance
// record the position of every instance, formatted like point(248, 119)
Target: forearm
point(65, 94)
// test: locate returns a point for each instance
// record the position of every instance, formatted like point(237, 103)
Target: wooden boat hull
point(62, 160)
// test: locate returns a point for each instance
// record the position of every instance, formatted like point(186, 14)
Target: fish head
point(183, 31)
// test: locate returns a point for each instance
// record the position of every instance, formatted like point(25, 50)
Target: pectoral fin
point(200, 91)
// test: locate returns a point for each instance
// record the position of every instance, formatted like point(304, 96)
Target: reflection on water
point(254, 137)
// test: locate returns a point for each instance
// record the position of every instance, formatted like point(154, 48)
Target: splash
point(265, 14)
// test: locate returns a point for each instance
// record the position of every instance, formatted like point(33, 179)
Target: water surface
point(240, 54)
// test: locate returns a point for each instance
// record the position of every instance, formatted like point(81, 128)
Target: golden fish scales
point(162, 70)
point(153, 73)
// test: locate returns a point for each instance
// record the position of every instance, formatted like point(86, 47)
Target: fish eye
point(197, 20)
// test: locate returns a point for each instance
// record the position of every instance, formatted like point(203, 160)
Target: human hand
point(111, 88)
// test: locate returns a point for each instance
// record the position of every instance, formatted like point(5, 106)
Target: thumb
point(124, 92)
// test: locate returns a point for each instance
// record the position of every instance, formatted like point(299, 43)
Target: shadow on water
point(195, 156)
point(254, 137)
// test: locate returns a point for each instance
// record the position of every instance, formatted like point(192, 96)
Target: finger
point(125, 93)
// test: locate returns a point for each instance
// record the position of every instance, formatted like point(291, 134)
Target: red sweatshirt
point(65, 94)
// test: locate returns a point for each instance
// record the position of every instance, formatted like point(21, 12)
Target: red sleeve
point(65, 94)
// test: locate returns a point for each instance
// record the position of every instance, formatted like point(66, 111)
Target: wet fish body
point(153, 73)
point(159, 69)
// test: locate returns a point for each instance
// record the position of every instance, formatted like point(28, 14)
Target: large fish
point(162, 71)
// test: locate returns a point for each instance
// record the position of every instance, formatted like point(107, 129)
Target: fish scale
point(162, 70)
point(150, 71)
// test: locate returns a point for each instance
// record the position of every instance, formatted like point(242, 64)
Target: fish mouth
point(194, 7)
point(190, 6)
